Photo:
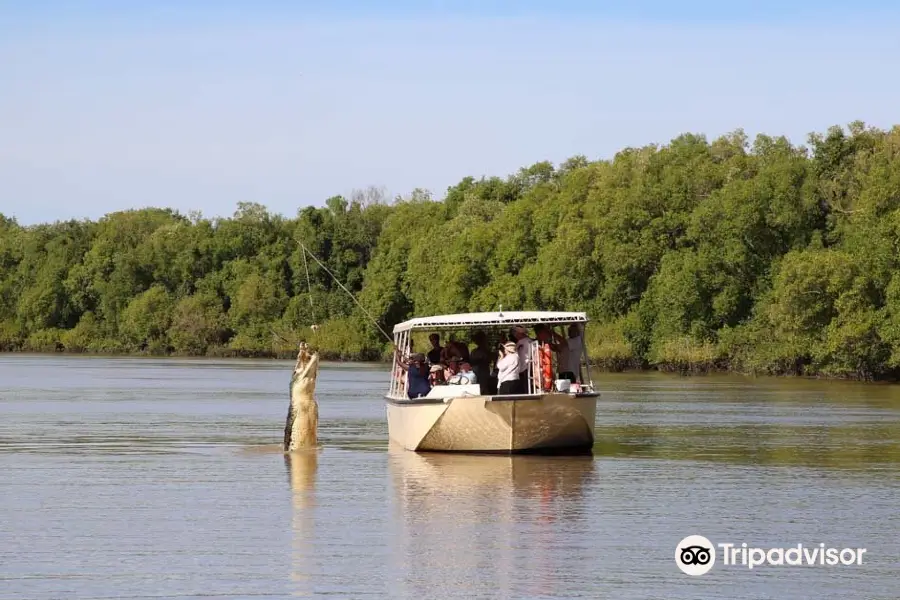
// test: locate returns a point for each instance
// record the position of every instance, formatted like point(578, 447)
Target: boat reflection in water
point(486, 524)
point(302, 467)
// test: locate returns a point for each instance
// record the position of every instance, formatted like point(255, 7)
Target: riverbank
point(215, 352)
point(684, 366)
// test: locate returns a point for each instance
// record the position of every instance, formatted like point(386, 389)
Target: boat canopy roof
point(491, 318)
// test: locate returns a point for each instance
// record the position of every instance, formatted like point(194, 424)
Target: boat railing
point(399, 378)
point(534, 370)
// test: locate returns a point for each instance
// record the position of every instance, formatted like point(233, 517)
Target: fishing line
point(349, 293)
point(312, 310)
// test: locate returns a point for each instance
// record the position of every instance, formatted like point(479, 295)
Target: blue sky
point(199, 105)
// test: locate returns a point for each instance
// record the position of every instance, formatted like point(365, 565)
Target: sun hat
point(511, 346)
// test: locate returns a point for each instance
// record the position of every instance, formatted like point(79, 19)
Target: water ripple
point(153, 478)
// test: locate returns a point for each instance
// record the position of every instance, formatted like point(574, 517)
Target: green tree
point(753, 255)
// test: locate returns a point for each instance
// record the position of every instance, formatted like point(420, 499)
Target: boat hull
point(504, 424)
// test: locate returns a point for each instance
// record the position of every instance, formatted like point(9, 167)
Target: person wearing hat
point(508, 370)
point(436, 375)
point(418, 376)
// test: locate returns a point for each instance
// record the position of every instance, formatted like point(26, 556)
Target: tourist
point(465, 375)
point(480, 358)
point(523, 348)
point(547, 335)
point(451, 366)
point(434, 355)
point(436, 375)
point(574, 353)
point(508, 370)
point(454, 349)
point(418, 376)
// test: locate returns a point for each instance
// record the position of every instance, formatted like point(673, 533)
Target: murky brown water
point(144, 478)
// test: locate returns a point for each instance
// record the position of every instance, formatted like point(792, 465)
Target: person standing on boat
point(574, 351)
point(480, 358)
point(523, 348)
point(434, 355)
point(508, 370)
point(454, 349)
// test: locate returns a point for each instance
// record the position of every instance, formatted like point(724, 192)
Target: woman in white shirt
point(508, 370)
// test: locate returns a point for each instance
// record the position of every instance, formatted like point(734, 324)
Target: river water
point(162, 478)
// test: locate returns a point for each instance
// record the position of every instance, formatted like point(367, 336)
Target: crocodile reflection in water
point(302, 466)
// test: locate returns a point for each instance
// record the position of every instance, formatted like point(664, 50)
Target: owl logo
point(695, 555)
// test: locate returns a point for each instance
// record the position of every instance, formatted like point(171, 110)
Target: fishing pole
point(349, 293)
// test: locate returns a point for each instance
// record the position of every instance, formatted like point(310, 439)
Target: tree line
point(760, 256)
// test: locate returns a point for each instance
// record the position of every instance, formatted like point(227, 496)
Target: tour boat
point(546, 414)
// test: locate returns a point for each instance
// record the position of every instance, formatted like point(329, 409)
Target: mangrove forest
point(756, 256)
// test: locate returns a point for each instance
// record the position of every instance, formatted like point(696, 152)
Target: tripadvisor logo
point(696, 555)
